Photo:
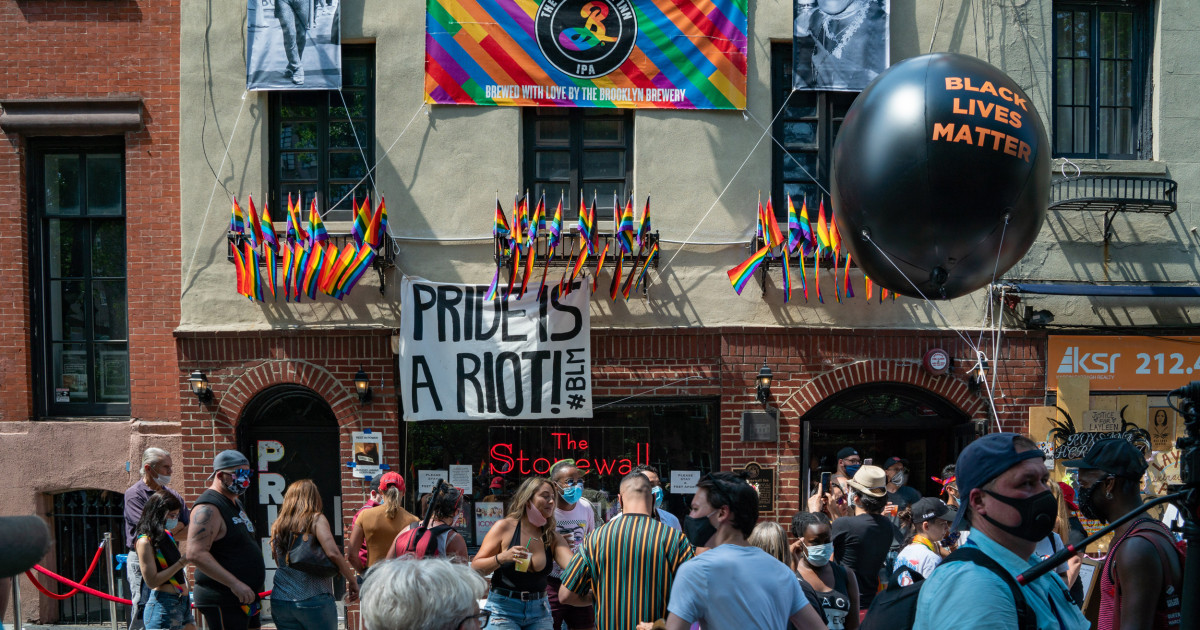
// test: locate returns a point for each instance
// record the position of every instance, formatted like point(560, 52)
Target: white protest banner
point(466, 358)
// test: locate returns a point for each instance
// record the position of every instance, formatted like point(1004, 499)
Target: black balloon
point(934, 157)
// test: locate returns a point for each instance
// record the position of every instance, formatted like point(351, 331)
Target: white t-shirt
point(919, 558)
point(667, 518)
point(736, 587)
point(574, 525)
point(1045, 548)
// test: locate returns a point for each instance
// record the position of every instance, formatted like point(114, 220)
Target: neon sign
point(504, 462)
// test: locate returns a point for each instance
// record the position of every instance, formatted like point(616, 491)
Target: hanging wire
point(790, 156)
point(647, 392)
point(354, 132)
point(216, 182)
point(371, 170)
point(766, 131)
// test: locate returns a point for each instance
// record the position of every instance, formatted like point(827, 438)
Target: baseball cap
point(391, 478)
point(892, 461)
point(1068, 495)
point(849, 451)
point(228, 459)
point(985, 459)
point(1114, 456)
point(929, 508)
point(497, 482)
point(870, 480)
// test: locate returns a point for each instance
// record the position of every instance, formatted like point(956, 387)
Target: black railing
point(1119, 193)
point(568, 250)
point(81, 518)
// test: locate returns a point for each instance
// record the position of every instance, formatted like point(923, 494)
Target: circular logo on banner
point(586, 38)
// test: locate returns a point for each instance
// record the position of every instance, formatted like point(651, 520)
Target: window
point(568, 150)
point(320, 146)
point(1099, 70)
point(81, 332)
point(806, 128)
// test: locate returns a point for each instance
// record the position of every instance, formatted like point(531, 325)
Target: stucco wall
point(442, 175)
point(41, 459)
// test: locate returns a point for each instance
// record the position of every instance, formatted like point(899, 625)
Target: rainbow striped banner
point(667, 54)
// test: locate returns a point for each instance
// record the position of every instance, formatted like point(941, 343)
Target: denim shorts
point(510, 613)
point(314, 613)
point(168, 611)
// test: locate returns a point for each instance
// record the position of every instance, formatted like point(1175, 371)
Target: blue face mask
point(852, 468)
point(573, 493)
point(171, 523)
point(819, 555)
point(658, 496)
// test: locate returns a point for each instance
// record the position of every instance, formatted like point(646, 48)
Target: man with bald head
point(627, 566)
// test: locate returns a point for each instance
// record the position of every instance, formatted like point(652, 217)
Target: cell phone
point(868, 461)
point(825, 480)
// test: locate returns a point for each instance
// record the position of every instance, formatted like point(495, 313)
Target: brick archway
point(290, 372)
point(879, 371)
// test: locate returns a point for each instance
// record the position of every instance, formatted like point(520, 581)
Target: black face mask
point(699, 530)
point(1038, 514)
point(1086, 507)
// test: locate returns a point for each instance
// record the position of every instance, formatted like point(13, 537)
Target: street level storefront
point(675, 398)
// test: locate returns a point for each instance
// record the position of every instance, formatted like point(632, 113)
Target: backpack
point(421, 541)
point(896, 607)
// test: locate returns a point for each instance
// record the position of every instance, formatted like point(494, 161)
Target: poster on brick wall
point(463, 357)
point(293, 45)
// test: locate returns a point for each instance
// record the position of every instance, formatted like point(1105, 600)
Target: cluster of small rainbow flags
point(519, 237)
point(821, 242)
point(309, 261)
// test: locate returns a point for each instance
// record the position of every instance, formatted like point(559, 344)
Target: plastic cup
point(522, 562)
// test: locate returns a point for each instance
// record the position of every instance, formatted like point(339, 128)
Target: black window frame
point(1141, 51)
point(824, 108)
point(577, 145)
point(41, 344)
point(326, 102)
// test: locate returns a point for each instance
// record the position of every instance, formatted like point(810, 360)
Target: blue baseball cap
point(982, 461)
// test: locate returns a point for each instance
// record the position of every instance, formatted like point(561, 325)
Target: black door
point(290, 433)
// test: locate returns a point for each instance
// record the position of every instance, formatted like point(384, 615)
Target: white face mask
point(163, 480)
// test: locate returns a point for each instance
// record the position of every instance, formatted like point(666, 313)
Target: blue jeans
point(510, 613)
point(168, 611)
point(314, 613)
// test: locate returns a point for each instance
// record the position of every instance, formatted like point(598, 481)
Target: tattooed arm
point(206, 528)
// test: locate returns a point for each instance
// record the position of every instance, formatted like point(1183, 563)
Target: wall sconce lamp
point(200, 388)
point(362, 384)
point(977, 376)
point(762, 384)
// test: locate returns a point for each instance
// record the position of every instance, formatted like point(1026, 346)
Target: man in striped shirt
point(627, 566)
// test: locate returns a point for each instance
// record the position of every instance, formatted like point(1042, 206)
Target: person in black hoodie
point(221, 544)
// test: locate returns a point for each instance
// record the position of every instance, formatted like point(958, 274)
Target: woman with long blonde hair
point(519, 551)
point(301, 600)
point(771, 538)
point(378, 526)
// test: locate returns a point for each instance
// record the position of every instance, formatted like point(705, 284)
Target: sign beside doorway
point(763, 480)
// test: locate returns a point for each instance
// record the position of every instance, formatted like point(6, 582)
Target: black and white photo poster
point(840, 45)
point(463, 357)
point(293, 45)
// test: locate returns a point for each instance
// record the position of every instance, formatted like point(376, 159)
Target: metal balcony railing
point(1114, 194)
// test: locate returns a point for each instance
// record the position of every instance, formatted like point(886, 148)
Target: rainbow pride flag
point(254, 229)
point(237, 220)
point(316, 227)
point(360, 265)
point(644, 229)
point(500, 222)
point(641, 276)
point(741, 274)
point(268, 228)
point(272, 278)
point(661, 54)
point(312, 271)
point(362, 218)
point(626, 232)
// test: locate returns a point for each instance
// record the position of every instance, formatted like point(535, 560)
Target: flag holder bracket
point(568, 250)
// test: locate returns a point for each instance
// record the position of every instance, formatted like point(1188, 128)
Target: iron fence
point(81, 517)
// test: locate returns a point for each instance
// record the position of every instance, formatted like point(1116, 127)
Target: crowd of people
point(869, 551)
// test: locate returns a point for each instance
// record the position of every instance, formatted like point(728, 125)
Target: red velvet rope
point(86, 576)
point(78, 586)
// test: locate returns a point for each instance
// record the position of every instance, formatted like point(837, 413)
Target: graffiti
point(1071, 444)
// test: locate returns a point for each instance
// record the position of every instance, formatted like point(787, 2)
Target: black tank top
point(508, 577)
point(237, 552)
point(835, 603)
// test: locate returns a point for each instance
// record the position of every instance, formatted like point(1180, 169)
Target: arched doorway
point(289, 433)
point(883, 420)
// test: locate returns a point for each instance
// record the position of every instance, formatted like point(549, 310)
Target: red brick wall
point(83, 49)
point(808, 365)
